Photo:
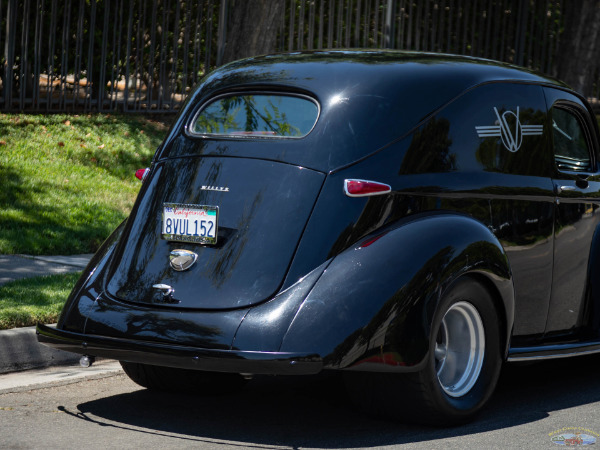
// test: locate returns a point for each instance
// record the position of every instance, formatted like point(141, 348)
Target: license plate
point(190, 223)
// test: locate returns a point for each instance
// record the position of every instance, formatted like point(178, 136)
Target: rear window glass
point(262, 115)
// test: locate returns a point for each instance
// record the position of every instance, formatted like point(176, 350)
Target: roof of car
point(322, 72)
point(367, 98)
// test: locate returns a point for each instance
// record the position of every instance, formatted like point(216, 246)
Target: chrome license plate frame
point(190, 223)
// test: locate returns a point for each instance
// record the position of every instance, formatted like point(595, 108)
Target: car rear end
point(246, 203)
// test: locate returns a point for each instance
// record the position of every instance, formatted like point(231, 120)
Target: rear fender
point(87, 288)
point(373, 307)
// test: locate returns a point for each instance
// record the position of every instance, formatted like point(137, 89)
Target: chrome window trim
point(579, 114)
point(188, 127)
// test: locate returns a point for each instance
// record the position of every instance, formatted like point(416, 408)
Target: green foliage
point(31, 300)
point(253, 114)
point(68, 181)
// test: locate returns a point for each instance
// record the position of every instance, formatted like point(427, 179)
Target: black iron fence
point(523, 32)
point(130, 55)
point(62, 55)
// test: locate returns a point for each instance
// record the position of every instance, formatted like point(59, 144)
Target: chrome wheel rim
point(459, 349)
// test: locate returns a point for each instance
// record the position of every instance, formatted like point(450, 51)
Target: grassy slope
point(28, 301)
point(67, 181)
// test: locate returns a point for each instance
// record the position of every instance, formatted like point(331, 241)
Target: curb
point(15, 382)
point(20, 350)
point(14, 267)
point(79, 261)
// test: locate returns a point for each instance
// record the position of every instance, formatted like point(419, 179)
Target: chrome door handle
point(559, 189)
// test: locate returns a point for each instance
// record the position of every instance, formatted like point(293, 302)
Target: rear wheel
point(461, 370)
point(459, 349)
point(171, 379)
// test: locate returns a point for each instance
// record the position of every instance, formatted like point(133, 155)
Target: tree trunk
point(252, 28)
point(579, 49)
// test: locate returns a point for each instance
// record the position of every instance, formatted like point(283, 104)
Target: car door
point(576, 185)
point(513, 152)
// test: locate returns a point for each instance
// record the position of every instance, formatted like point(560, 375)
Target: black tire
point(433, 398)
point(170, 379)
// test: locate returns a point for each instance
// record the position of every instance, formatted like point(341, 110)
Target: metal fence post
point(222, 32)
point(521, 32)
point(9, 51)
point(389, 25)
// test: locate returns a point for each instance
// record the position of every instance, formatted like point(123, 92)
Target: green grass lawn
point(28, 301)
point(68, 180)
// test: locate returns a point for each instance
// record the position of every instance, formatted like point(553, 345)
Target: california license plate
point(190, 223)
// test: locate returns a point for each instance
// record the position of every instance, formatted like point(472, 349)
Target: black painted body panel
point(368, 99)
point(306, 271)
point(359, 323)
point(253, 251)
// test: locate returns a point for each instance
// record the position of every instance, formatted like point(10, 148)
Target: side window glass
point(571, 150)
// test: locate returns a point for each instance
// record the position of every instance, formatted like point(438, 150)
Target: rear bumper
point(185, 357)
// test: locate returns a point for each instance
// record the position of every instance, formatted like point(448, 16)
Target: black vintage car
point(411, 220)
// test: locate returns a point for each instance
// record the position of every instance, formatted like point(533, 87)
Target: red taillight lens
point(371, 241)
point(364, 188)
point(141, 173)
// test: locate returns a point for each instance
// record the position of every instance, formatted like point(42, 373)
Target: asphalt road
point(530, 404)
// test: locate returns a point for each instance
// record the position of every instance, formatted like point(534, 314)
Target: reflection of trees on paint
point(222, 263)
point(430, 149)
point(522, 223)
point(378, 211)
point(132, 278)
point(533, 157)
point(257, 115)
point(398, 324)
point(172, 329)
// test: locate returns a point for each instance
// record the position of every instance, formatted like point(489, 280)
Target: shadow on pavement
point(314, 411)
